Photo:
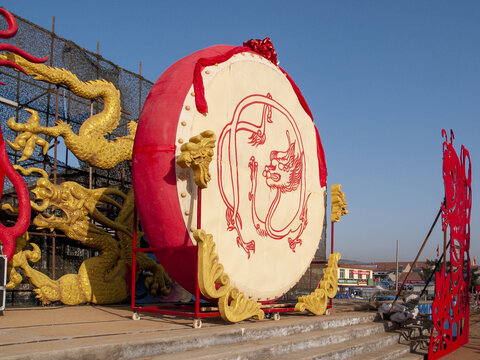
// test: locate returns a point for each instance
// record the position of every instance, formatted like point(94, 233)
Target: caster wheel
point(276, 316)
point(135, 316)
point(197, 323)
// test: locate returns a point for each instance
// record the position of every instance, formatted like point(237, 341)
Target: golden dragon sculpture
point(101, 279)
point(75, 210)
point(91, 144)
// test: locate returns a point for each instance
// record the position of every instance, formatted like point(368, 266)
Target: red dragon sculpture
point(9, 234)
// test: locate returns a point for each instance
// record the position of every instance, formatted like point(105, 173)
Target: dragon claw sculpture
point(27, 140)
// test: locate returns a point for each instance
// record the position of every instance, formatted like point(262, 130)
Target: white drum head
point(264, 205)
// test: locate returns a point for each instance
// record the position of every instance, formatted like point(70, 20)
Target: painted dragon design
point(285, 173)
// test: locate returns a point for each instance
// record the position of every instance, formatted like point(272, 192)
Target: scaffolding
point(54, 103)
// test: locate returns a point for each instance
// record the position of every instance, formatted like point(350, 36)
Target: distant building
point(384, 275)
point(386, 271)
point(354, 275)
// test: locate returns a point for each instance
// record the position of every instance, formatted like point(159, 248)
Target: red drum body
point(265, 203)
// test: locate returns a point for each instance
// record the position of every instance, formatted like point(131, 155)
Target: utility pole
point(396, 274)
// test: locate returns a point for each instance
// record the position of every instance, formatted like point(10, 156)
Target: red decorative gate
point(450, 309)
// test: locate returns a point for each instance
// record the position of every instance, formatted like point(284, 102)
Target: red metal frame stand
point(188, 310)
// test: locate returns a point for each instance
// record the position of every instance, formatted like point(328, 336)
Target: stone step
point(280, 346)
point(355, 348)
point(131, 344)
point(412, 356)
point(393, 351)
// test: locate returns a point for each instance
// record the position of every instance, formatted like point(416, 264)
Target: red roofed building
point(355, 275)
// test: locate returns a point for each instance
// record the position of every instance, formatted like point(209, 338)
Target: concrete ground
point(29, 330)
point(471, 351)
point(25, 331)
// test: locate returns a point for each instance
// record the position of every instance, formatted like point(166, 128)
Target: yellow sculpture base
point(232, 304)
point(215, 284)
point(317, 301)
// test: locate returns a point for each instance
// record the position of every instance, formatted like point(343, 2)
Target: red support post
point(331, 244)
point(134, 256)
point(197, 295)
point(199, 208)
point(199, 226)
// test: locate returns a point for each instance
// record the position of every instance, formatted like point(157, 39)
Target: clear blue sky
point(382, 79)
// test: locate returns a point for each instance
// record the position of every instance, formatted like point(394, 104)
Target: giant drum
point(265, 203)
